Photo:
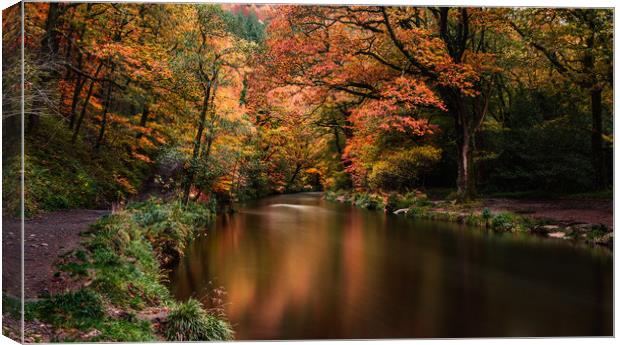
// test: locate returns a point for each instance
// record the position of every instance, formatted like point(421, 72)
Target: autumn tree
point(391, 63)
point(206, 56)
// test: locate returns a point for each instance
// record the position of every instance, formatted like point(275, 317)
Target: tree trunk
point(47, 54)
point(104, 115)
point(598, 161)
point(466, 122)
point(77, 90)
point(201, 125)
point(465, 183)
point(210, 134)
point(297, 171)
point(337, 140)
point(50, 40)
point(86, 101)
point(143, 119)
point(207, 151)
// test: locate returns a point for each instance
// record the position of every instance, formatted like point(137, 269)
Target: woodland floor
point(50, 235)
point(46, 237)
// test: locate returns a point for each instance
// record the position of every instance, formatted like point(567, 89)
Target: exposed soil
point(566, 211)
point(46, 237)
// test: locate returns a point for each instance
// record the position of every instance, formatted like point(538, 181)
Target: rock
point(162, 315)
point(401, 211)
point(581, 228)
point(605, 240)
point(44, 244)
point(91, 334)
point(545, 229)
point(557, 234)
point(586, 228)
point(569, 231)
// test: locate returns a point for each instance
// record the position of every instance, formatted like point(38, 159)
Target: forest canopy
point(230, 102)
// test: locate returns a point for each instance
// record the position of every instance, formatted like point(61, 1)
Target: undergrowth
point(123, 258)
point(59, 174)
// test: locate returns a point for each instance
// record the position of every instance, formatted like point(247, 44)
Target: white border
point(473, 3)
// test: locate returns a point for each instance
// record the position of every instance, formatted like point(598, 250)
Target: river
point(300, 267)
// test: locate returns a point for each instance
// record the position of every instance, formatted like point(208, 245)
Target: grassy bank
point(121, 296)
point(417, 205)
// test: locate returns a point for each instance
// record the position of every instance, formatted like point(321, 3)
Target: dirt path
point(561, 210)
point(46, 237)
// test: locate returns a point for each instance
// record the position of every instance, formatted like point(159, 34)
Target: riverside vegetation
point(120, 274)
point(417, 205)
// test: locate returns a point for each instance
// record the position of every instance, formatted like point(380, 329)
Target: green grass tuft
point(189, 321)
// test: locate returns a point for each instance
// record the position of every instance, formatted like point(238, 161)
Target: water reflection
point(299, 267)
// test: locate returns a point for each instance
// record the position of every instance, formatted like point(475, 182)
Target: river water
point(300, 267)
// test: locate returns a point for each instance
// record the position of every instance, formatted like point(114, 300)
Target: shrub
point(416, 212)
point(188, 321)
point(331, 195)
point(171, 225)
point(474, 220)
point(369, 201)
point(392, 202)
point(403, 169)
point(503, 222)
point(341, 180)
point(486, 216)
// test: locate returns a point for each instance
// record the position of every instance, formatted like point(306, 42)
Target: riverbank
point(556, 219)
point(113, 282)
